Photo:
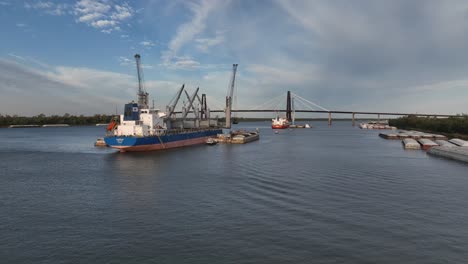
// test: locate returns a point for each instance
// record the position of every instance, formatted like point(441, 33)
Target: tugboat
point(144, 128)
point(279, 123)
point(211, 142)
point(100, 143)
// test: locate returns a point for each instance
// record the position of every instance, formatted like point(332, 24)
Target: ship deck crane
point(142, 94)
point(185, 111)
point(230, 96)
point(173, 103)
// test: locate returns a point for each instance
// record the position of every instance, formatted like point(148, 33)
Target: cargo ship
point(144, 128)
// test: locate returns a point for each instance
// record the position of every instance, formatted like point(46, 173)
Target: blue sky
point(77, 56)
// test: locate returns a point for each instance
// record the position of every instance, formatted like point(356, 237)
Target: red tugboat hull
point(279, 126)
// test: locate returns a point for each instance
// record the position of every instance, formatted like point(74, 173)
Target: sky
point(76, 56)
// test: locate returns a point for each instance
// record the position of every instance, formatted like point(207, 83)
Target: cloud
point(147, 43)
point(77, 90)
point(90, 17)
point(16, 56)
point(187, 31)
point(102, 14)
point(364, 55)
point(48, 7)
point(3, 3)
point(122, 12)
point(21, 25)
point(39, 5)
point(270, 75)
point(103, 23)
point(204, 44)
point(86, 7)
point(186, 64)
point(124, 61)
point(182, 63)
point(59, 91)
point(350, 56)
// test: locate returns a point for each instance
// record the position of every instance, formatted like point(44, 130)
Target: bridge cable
point(297, 96)
point(269, 102)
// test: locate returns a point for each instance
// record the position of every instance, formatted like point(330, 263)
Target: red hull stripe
point(169, 145)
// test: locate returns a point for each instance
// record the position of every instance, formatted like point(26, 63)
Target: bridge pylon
point(288, 107)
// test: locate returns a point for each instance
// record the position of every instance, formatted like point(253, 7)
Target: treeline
point(81, 120)
point(451, 125)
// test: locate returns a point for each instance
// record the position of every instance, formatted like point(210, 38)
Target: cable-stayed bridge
point(293, 103)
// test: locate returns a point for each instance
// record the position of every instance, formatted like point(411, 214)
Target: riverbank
point(453, 127)
point(41, 120)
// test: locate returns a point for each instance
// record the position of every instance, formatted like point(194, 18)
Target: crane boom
point(233, 80)
point(142, 94)
point(190, 102)
point(172, 105)
point(229, 96)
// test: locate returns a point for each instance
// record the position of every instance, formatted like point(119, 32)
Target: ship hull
point(152, 143)
point(279, 126)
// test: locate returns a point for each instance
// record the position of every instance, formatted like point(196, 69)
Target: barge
point(445, 143)
point(459, 142)
point(459, 154)
point(409, 143)
point(427, 143)
point(238, 137)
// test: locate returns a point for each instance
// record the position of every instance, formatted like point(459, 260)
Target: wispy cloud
point(204, 44)
point(21, 25)
point(186, 63)
point(187, 31)
point(147, 43)
point(49, 7)
point(16, 56)
point(4, 3)
point(29, 60)
point(125, 61)
point(90, 17)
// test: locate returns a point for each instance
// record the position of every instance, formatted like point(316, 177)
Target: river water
point(322, 195)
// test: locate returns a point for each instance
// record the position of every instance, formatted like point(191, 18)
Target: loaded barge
point(238, 137)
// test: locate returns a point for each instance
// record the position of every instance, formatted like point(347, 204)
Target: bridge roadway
point(352, 113)
point(336, 112)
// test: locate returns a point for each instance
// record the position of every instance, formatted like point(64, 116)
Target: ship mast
point(142, 94)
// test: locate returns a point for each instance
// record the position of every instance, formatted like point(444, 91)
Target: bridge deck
point(336, 112)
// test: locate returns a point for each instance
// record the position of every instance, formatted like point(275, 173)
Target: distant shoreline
point(81, 120)
point(54, 120)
